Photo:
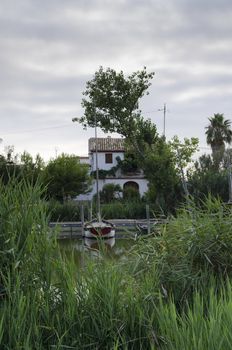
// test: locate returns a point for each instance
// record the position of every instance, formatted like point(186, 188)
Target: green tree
point(204, 180)
point(159, 167)
point(112, 100)
point(218, 133)
point(129, 165)
point(183, 152)
point(9, 165)
point(66, 177)
point(30, 168)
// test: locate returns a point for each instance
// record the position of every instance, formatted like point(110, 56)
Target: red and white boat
point(103, 229)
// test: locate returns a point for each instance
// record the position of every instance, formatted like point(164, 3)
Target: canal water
point(113, 248)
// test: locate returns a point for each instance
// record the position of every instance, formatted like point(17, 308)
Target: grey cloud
point(49, 49)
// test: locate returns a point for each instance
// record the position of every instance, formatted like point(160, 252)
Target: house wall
point(84, 160)
point(139, 179)
point(142, 183)
point(101, 160)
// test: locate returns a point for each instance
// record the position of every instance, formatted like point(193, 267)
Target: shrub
point(131, 194)
point(110, 192)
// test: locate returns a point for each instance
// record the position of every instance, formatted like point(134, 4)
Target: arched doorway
point(131, 184)
point(131, 190)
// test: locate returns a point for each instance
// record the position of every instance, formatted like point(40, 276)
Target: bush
point(110, 192)
point(131, 194)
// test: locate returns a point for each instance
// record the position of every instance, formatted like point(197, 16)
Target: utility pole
point(184, 183)
point(164, 110)
point(230, 179)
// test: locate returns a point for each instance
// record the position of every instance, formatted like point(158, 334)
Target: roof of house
point(107, 144)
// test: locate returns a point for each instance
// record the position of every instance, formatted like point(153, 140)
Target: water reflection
point(99, 244)
point(109, 248)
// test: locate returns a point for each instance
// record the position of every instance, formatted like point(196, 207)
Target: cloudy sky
point(50, 48)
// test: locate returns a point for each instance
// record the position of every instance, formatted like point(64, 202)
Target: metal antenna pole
point(164, 119)
point(164, 110)
point(97, 174)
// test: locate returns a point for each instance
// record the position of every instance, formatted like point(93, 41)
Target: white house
point(109, 149)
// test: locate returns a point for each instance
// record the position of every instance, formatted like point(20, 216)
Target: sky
point(51, 48)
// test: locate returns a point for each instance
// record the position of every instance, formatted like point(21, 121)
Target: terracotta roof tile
point(106, 144)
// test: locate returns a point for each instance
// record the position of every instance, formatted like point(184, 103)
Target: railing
point(123, 226)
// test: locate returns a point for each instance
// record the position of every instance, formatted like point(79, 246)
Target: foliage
point(31, 169)
point(194, 246)
point(112, 103)
point(113, 100)
point(203, 179)
point(183, 153)
point(8, 169)
point(218, 133)
point(159, 169)
point(102, 174)
point(110, 192)
point(22, 215)
point(117, 209)
point(129, 164)
point(210, 173)
point(20, 167)
point(67, 211)
point(173, 291)
point(131, 194)
point(124, 210)
point(66, 177)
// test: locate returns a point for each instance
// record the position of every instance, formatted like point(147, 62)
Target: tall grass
point(124, 210)
point(173, 291)
point(71, 211)
point(194, 246)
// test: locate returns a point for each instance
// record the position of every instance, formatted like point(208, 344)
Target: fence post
point(82, 220)
point(90, 210)
point(148, 219)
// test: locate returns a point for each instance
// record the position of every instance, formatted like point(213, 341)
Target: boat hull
point(99, 229)
point(95, 244)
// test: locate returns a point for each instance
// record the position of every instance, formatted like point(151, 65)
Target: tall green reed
point(170, 293)
point(194, 246)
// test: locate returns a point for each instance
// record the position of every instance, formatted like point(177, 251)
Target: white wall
point(143, 183)
point(84, 160)
point(101, 160)
point(143, 186)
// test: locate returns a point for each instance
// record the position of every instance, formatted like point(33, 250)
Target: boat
point(98, 227)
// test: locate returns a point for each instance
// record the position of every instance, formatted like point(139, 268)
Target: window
point(109, 158)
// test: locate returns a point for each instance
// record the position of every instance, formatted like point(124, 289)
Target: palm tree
point(218, 133)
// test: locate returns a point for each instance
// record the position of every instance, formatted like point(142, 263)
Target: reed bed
point(173, 291)
point(71, 211)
